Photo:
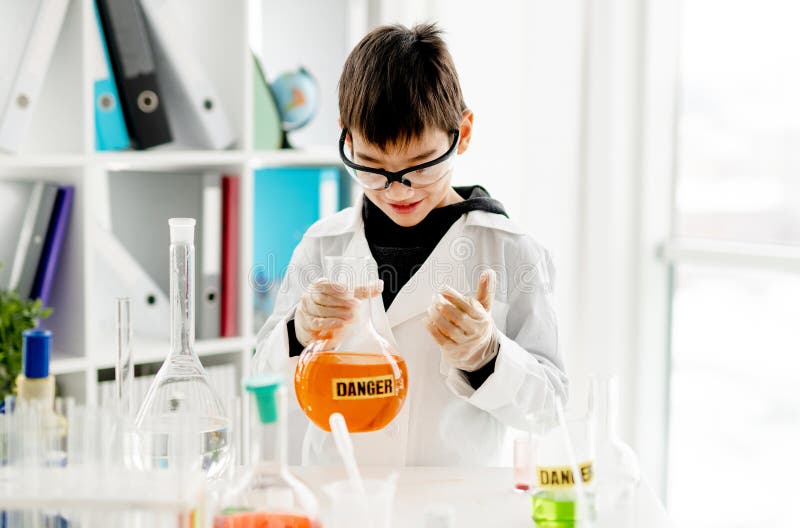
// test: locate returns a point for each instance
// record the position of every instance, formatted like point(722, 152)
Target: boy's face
point(406, 206)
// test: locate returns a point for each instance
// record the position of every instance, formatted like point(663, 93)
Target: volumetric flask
point(182, 423)
point(357, 373)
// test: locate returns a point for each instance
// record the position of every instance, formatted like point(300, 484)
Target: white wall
point(520, 63)
point(556, 92)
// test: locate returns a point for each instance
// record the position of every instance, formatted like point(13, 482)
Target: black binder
point(134, 70)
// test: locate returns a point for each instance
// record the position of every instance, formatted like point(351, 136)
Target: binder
point(16, 21)
point(192, 102)
point(142, 203)
point(16, 199)
point(32, 238)
point(56, 232)
point(16, 109)
point(109, 123)
point(230, 256)
point(133, 65)
point(267, 128)
point(118, 274)
point(210, 261)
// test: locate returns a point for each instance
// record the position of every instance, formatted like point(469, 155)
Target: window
point(734, 419)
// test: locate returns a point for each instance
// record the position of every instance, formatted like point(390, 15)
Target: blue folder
point(110, 130)
point(286, 203)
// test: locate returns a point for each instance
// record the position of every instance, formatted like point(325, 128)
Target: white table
point(481, 497)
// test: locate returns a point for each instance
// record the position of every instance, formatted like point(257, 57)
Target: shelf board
point(155, 351)
point(157, 159)
point(68, 365)
point(41, 161)
point(171, 159)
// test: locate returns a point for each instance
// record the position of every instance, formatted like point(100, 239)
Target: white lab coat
point(444, 420)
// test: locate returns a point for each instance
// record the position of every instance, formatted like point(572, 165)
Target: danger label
point(561, 477)
point(363, 388)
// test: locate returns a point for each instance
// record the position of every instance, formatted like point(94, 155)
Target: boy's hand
point(327, 308)
point(463, 326)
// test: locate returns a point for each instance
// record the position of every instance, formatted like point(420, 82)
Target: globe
point(296, 94)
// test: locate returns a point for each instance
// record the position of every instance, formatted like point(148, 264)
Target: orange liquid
point(262, 520)
point(368, 389)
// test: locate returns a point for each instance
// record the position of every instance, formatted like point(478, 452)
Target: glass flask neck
point(364, 313)
point(605, 393)
point(360, 335)
point(268, 441)
point(181, 290)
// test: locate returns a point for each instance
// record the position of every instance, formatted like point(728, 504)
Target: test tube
point(123, 372)
point(523, 464)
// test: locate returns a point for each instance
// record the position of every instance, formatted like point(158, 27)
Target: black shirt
point(400, 251)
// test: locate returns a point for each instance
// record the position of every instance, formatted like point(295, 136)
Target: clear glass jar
point(359, 374)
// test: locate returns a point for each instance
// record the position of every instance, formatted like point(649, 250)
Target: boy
point(476, 363)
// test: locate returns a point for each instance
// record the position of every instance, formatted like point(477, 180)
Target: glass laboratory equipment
point(524, 461)
point(557, 501)
point(181, 423)
point(35, 399)
point(123, 371)
point(370, 506)
point(267, 494)
point(616, 465)
point(360, 374)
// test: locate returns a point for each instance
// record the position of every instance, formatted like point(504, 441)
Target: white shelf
point(155, 351)
point(26, 161)
point(68, 365)
point(156, 159)
point(60, 147)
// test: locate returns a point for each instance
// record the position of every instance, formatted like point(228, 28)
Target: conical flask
point(360, 375)
point(267, 494)
point(181, 423)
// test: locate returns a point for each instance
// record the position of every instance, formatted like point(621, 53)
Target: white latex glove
point(463, 326)
point(326, 309)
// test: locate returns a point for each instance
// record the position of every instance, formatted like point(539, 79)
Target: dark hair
point(397, 82)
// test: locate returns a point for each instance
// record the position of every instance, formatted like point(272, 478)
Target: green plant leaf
point(16, 316)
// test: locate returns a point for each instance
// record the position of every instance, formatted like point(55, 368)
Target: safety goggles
point(415, 177)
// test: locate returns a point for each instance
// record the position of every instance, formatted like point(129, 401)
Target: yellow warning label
point(561, 476)
point(364, 388)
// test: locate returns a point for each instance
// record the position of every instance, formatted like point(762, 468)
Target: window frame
point(661, 250)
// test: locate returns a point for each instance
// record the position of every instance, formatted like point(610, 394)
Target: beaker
point(350, 507)
point(558, 502)
point(267, 494)
point(359, 374)
point(182, 422)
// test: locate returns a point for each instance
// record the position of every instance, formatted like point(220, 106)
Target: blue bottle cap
point(264, 387)
point(36, 353)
